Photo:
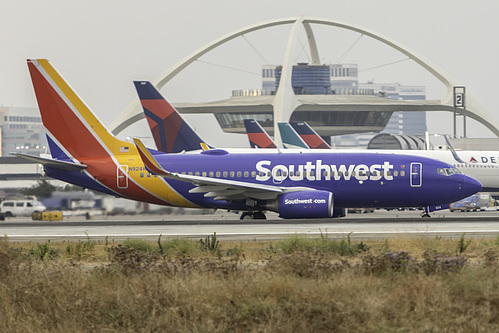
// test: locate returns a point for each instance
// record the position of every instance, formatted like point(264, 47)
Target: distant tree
point(70, 188)
point(42, 190)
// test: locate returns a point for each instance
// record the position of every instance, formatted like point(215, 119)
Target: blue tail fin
point(171, 133)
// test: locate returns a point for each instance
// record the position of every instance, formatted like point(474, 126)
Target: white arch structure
point(285, 101)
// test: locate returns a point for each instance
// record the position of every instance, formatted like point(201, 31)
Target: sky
point(100, 47)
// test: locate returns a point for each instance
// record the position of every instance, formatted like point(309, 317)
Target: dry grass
point(295, 285)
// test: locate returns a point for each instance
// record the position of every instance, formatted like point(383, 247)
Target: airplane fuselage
point(355, 180)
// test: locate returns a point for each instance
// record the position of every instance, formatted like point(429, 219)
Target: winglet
point(204, 146)
point(149, 161)
point(454, 154)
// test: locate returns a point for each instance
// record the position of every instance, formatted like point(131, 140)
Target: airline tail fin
point(290, 139)
point(257, 136)
point(73, 131)
point(311, 138)
point(171, 133)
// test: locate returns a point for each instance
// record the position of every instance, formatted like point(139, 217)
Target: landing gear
point(245, 216)
point(259, 216)
point(253, 215)
point(426, 214)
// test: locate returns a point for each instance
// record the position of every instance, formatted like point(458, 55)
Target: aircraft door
point(122, 176)
point(416, 174)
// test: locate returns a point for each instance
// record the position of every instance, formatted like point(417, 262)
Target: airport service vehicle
point(21, 207)
point(296, 184)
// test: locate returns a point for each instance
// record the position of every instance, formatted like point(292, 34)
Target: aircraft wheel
point(246, 216)
point(259, 216)
point(425, 215)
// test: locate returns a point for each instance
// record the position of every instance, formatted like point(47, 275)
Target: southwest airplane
point(305, 184)
point(163, 118)
point(481, 165)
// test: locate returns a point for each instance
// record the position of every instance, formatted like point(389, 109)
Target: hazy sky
point(100, 47)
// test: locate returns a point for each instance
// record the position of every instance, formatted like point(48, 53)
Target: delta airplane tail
point(257, 136)
point(311, 138)
point(171, 133)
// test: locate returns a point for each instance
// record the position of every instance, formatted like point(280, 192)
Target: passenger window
point(395, 173)
point(246, 173)
point(239, 174)
point(204, 173)
point(29, 204)
point(141, 175)
point(197, 173)
point(232, 173)
point(253, 173)
point(218, 174)
point(402, 173)
point(148, 175)
point(190, 173)
point(211, 174)
point(19, 204)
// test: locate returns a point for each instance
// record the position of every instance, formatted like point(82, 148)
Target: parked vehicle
point(21, 207)
point(476, 202)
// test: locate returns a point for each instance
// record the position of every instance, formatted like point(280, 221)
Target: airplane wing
point(220, 189)
point(62, 165)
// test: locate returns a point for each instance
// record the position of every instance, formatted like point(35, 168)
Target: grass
point(296, 284)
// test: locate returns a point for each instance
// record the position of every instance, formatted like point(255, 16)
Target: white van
point(21, 207)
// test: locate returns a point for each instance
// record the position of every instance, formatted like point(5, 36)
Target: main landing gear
point(253, 216)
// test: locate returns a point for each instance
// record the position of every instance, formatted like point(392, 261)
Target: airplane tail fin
point(290, 139)
point(73, 131)
point(257, 136)
point(311, 138)
point(171, 133)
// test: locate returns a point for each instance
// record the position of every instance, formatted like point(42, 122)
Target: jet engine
point(303, 204)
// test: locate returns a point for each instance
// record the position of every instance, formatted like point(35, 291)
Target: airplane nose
point(471, 185)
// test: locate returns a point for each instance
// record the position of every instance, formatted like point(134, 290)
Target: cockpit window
point(448, 171)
